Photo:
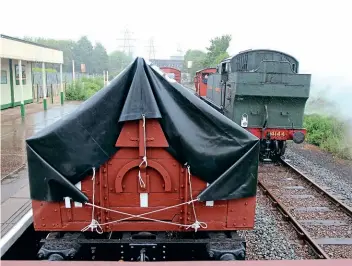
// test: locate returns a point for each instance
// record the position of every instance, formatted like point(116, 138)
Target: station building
point(16, 58)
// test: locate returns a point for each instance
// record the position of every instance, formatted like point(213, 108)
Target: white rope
point(197, 224)
point(94, 224)
point(144, 160)
point(98, 227)
point(143, 214)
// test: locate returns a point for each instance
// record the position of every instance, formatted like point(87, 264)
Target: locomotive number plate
point(277, 133)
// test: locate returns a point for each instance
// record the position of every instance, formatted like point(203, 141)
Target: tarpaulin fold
point(218, 151)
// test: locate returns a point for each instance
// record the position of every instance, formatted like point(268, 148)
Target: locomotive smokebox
point(298, 137)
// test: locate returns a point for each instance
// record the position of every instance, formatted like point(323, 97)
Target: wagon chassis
point(143, 246)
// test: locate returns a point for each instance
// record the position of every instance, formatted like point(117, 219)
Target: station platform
point(15, 200)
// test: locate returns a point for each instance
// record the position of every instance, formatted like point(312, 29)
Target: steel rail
point(336, 201)
point(302, 233)
point(287, 215)
point(12, 172)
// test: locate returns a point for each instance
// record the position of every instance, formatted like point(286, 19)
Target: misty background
point(317, 33)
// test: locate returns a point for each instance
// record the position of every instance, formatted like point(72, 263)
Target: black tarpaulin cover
point(218, 151)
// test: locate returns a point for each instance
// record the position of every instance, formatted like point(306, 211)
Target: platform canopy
point(13, 48)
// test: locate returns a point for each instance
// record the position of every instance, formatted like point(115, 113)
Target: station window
point(18, 76)
point(3, 77)
point(294, 67)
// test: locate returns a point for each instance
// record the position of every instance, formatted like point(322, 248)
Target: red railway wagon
point(201, 80)
point(172, 73)
point(164, 183)
point(141, 194)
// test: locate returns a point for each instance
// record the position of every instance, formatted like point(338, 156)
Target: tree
point(83, 53)
point(197, 57)
point(118, 60)
point(100, 59)
point(217, 50)
point(66, 46)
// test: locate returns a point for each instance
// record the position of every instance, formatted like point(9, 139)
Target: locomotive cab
point(201, 80)
point(172, 73)
point(225, 69)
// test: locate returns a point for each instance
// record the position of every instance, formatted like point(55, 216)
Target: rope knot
point(196, 225)
point(94, 225)
point(93, 177)
point(144, 161)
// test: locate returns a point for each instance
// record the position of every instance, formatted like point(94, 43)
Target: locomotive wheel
point(282, 145)
point(272, 150)
point(277, 147)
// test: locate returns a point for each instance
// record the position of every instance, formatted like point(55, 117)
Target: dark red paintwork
point(174, 71)
point(200, 80)
point(117, 187)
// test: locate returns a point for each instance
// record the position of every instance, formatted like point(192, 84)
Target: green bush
point(83, 89)
point(328, 133)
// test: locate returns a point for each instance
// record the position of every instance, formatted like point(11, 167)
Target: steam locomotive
point(262, 91)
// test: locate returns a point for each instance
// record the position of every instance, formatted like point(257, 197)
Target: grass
point(83, 89)
point(330, 134)
point(47, 70)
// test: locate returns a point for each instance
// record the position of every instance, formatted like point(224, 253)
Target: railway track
point(319, 217)
point(321, 220)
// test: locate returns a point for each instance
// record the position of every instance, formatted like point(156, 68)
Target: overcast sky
point(317, 33)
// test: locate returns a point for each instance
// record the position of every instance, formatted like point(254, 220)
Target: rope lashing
point(144, 160)
point(94, 224)
point(197, 224)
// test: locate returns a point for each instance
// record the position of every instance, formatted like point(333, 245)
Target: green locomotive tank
point(261, 90)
